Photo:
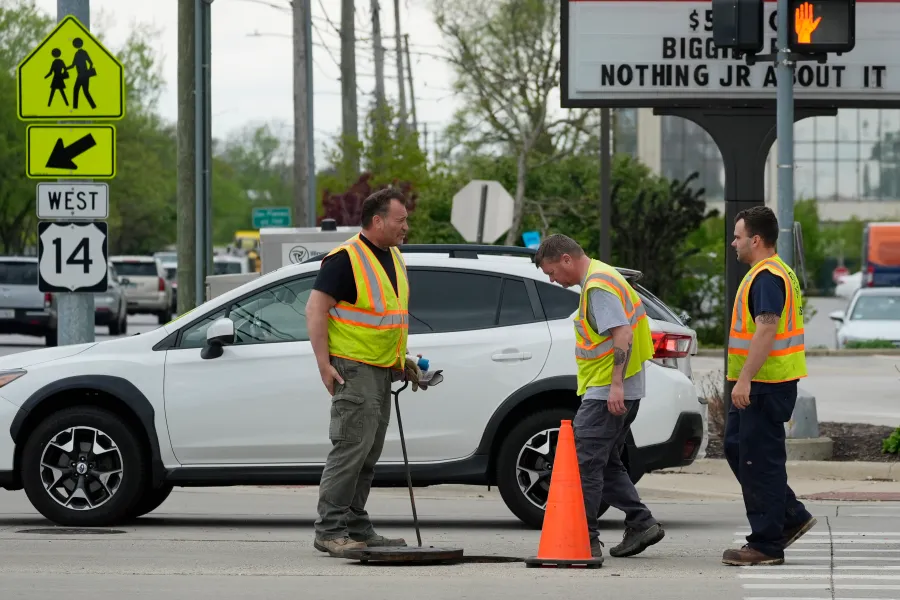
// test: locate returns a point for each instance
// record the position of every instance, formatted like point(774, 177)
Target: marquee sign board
point(660, 53)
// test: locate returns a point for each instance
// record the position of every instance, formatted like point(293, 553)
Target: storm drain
point(69, 531)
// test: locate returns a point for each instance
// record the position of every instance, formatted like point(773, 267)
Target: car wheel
point(151, 500)
point(83, 466)
point(525, 463)
point(50, 338)
point(164, 316)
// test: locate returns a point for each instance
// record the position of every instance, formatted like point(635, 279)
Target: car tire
point(508, 457)
point(50, 338)
point(164, 316)
point(121, 464)
point(151, 500)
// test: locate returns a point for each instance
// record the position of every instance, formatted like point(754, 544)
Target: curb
point(720, 352)
point(805, 469)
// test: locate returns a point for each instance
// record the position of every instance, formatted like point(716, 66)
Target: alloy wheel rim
point(81, 468)
point(534, 465)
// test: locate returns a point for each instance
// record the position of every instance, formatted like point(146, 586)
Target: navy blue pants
point(755, 450)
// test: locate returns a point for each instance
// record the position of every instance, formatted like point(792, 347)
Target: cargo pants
point(754, 445)
point(360, 414)
point(599, 440)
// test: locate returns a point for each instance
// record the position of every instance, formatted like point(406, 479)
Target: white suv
point(99, 433)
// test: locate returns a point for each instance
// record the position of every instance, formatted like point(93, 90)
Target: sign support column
point(74, 311)
point(784, 98)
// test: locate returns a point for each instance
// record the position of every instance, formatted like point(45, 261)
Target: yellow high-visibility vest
point(787, 359)
point(593, 351)
point(373, 330)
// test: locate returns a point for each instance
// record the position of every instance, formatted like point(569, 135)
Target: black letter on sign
point(668, 47)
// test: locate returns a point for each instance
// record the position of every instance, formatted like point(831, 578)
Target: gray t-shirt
point(606, 312)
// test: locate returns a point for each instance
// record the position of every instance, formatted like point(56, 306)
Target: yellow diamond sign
point(71, 76)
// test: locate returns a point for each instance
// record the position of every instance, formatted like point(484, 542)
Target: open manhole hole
point(69, 531)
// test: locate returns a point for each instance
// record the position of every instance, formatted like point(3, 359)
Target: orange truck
point(881, 255)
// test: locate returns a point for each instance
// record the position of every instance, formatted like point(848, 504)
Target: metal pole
point(199, 212)
point(207, 141)
point(310, 135)
point(784, 71)
point(605, 200)
point(482, 211)
point(74, 311)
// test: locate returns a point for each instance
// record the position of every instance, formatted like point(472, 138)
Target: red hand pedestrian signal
point(804, 23)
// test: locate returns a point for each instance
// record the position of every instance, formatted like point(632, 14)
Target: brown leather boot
point(747, 556)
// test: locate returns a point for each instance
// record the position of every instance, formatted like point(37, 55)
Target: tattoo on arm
point(768, 318)
point(618, 356)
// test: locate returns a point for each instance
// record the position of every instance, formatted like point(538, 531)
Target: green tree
point(506, 60)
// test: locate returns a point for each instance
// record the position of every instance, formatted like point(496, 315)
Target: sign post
point(65, 84)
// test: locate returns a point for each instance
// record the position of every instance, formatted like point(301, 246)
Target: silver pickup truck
point(24, 310)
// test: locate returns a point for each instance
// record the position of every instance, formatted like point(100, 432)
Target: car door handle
point(509, 356)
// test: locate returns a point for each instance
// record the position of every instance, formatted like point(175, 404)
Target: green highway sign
point(279, 216)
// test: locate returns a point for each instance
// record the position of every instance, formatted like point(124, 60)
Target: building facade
point(849, 163)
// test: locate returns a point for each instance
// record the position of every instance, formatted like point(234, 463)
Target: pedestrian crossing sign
point(70, 76)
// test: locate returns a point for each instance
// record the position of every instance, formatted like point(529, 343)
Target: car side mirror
point(124, 281)
point(685, 317)
point(837, 316)
point(219, 334)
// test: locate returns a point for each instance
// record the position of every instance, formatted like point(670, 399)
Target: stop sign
point(838, 273)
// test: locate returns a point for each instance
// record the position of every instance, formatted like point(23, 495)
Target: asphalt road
point(11, 344)
point(257, 543)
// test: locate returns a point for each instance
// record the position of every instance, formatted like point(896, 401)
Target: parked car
point(229, 394)
point(872, 314)
point(25, 310)
point(111, 306)
point(147, 290)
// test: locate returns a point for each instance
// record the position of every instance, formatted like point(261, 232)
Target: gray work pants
point(360, 413)
point(599, 439)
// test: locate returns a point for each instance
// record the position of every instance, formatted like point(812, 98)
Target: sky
point(252, 80)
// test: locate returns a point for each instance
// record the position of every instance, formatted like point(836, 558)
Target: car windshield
point(876, 308)
point(171, 272)
point(18, 273)
point(136, 269)
point(226, 268)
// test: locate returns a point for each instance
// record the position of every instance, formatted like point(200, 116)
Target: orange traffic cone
point(564, 535)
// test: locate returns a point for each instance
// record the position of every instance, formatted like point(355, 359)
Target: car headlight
point(7, 377)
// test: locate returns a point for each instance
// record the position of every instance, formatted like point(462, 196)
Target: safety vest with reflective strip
point(787, 359)
point(373, 330)
point(593, 351)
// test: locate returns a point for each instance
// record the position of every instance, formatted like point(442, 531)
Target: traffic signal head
point(820, 26)
point(738, 24)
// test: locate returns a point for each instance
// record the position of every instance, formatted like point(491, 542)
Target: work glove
point(412, 372)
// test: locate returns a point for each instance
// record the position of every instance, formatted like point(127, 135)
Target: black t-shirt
point(336, 279)
point(768, 295)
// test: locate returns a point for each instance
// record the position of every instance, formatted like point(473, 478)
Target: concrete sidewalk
point(819, 480)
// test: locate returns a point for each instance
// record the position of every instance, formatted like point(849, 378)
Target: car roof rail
point(473, 250)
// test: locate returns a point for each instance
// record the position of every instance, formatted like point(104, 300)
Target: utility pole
point(186, 157)
point(349, 111)
point(75, 311)
point(202, 147)
point(399, 50)
point(784, 124)
point(412, 94)
point(605, 200)
point(302, 133)
point(379, 58)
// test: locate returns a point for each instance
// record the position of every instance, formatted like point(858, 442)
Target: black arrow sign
point(62, 155)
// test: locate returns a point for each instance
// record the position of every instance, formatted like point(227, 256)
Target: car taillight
point(671, 345)
point(870, 276)
point(162, 284)
point(48, 299)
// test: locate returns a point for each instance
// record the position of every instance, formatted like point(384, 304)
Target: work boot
point(597, 549)
point(379, 541)
point(795, 533)
point(748, 557)
point(635, 542)
point(338, 546)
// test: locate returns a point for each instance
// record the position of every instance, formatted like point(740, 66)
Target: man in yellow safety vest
point(766, 358)
point(358, 325)
point(612, 342)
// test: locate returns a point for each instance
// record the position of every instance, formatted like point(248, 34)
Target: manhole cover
point(69, 531)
